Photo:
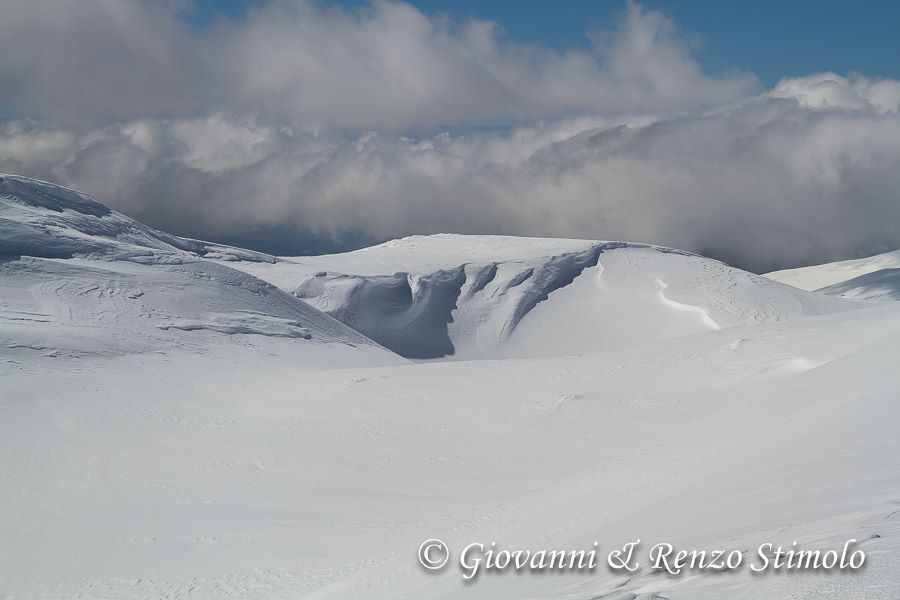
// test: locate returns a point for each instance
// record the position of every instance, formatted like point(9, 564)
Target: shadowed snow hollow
point(78, 278)
point(494, 296)
point(871, 278)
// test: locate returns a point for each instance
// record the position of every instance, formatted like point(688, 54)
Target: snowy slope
point(171, 427)
point(491, 296)
point(79, 278)
point(880, 285)
point(45, 220)
point(180, 476)
point(872, 278)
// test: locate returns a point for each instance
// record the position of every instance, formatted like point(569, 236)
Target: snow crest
point(79, 279)
point(428, 297)
point(875, 278)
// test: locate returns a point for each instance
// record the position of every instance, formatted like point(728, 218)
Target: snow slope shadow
point(882, 285)
point(406, 313)
point(470, 297)
point(418, 315)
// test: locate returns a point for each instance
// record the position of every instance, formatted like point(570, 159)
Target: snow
point(169, 430)
point(880, 285)
point(85, 280)
point(45, 220)
point(492, 296)
point(871, 278)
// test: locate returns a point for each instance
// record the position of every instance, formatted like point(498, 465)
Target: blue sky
point(768, 38)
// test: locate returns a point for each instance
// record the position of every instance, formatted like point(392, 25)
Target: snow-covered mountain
point(78, 278)
point(422, 297)
point(491, 296)
point(872, 278)
point(176, 422)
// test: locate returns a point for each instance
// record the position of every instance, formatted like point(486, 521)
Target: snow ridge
point(447, 295)
point(872, 278)
point(417, 314)
point(79, 279)
point(45, 220)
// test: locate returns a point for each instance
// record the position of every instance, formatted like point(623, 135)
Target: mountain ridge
point(72, 267)
point(496, 296)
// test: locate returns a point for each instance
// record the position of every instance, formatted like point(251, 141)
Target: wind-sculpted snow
point(408, 314)
point(33, 194)
point(171, 427)
point(45, 220)
point(423, 297)
point(490, 296)
point(429, 315)
point(78, 279)
point(245, 322)
point(208, 477)
point(880, 285)
point(873, 278)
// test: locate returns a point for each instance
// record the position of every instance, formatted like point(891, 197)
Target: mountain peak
point(45, 195)
point(45, 220)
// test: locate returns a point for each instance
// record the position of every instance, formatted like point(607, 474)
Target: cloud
point(302, 118)
point(320, 67)
point(94, 61)
point(828, 90)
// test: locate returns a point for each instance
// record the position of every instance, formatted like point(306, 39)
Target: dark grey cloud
point(299, 118)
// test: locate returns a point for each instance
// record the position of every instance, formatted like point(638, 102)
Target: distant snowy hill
point(491, 296)
point(79, 266)
point(173, 427)
point(78, 278)
point(44, 220)
point(872, 278)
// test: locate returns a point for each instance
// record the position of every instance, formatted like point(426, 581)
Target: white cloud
point(301, 116)
point(828, 90)
point(216, 143)
point(383, 65)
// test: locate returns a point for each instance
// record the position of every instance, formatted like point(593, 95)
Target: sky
point(764, 134)
point(769, 38)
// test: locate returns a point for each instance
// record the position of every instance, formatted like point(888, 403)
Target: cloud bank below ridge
point(385, 122)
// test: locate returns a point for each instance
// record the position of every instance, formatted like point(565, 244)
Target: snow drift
point(492, 296)
point(871, 278)
point(169, 429)
point(72, 271)
point(423, 297)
